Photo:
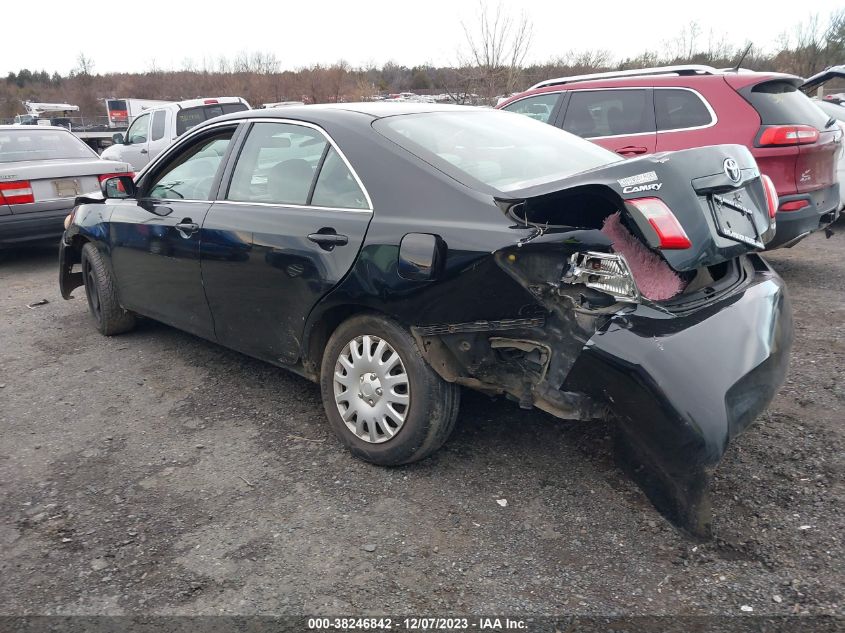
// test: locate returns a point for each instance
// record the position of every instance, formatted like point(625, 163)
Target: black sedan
point(394, 252)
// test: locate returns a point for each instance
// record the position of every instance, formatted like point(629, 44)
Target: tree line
point(490, 63)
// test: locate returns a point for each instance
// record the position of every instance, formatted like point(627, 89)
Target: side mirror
point(421, 255)
point(117, 138)
point(118, 187)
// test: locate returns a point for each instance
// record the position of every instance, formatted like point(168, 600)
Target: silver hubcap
point(371, 389)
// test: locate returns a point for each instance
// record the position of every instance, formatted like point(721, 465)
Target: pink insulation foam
point(655, 279)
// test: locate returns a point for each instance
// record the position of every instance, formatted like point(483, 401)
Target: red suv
point(679, 107)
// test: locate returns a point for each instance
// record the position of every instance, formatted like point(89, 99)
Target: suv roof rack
point(688, 69)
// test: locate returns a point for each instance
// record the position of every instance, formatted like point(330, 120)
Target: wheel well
point(320, 332)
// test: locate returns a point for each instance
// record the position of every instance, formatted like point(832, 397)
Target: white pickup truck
point(155, 129)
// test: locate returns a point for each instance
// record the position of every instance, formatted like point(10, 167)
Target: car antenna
point(742, 57)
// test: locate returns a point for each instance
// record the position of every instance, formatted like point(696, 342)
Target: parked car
point(159, 126)
point(677, 107)
point(42, 170)
point(393, 252)
point(836, 110)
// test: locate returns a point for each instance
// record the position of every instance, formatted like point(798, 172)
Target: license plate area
point(66, 188)
point(735, 221)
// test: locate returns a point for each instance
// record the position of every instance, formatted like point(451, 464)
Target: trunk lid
point(715, 193)
point(59, 179)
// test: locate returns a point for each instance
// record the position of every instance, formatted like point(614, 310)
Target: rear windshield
point(495, 149)
point(116, 104)
point(781, 103)
point(35, 144)
point(191, 117)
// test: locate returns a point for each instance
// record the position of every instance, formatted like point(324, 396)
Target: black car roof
point(341, 111)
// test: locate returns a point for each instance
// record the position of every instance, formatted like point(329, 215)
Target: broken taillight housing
point(606, 272)
point(669, 231)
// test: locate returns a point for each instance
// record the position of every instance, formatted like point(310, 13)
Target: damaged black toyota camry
point(395, 252)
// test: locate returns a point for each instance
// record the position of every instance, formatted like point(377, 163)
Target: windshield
point(38, 144)
point(499, 150)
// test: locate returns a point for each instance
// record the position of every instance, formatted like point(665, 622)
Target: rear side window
point(680, 109)
point(336, 187)
point(191, 117)
point(781, 103)
point(277, 164)
point(593, 113)
point(537, 107)
point(157, 131)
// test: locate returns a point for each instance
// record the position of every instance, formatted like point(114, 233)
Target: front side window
point(34, 144)
point(491, 149)
point(537, 107)
point(593, 113)
point(189, 175)
point(277, 164)
point(679, 109)
point(139, 131)
point(158, 124)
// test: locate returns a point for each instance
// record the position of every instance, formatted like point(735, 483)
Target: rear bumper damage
point(679, 384)
point(682, 387)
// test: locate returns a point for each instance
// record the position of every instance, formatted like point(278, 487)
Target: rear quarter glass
point(779, 102)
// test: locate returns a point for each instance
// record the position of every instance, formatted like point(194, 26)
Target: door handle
point(328, 239)
point(632, 149)
point(187, 228)
point(144, 151)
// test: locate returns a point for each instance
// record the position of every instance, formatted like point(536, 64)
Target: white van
point(155, 129)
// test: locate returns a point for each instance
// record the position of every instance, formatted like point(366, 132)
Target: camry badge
point(732, 170)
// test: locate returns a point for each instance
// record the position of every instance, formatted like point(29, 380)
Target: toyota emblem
point(732, 170)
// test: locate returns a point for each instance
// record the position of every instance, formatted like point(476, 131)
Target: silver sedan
point(42, 170)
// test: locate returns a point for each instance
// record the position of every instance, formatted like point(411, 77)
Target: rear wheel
point(100, 290)
point(382, 399)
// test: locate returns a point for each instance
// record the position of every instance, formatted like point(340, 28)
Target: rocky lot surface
point(159, 473)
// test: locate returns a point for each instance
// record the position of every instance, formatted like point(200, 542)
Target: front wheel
point(382, 399)
point(101, 293)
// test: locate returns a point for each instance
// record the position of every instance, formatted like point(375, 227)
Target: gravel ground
point(158, 473)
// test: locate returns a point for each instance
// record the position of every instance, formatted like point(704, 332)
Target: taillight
point(104, 177)
point(771, 194)
point(16, 192)
point(788, 135)
point(663, 221)
point(794, 205)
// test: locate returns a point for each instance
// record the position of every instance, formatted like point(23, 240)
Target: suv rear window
point(679, 109)
point(781, 103)
point(191, 117)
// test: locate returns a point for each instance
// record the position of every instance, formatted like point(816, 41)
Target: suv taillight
point(771, 194)
point(16, 192)
point(787, 135)
point(669, 231)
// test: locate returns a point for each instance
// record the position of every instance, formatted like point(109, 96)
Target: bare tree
point(496, 49)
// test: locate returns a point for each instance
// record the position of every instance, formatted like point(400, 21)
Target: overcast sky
point(136, 36)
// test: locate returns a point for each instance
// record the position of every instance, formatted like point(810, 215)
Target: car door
point(619, 119)
point(134, 150)
point(154, 237)
point(289, 223)
point(158, 133)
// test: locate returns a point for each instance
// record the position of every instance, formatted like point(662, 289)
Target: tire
point(427, 419)
point(100, 290)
